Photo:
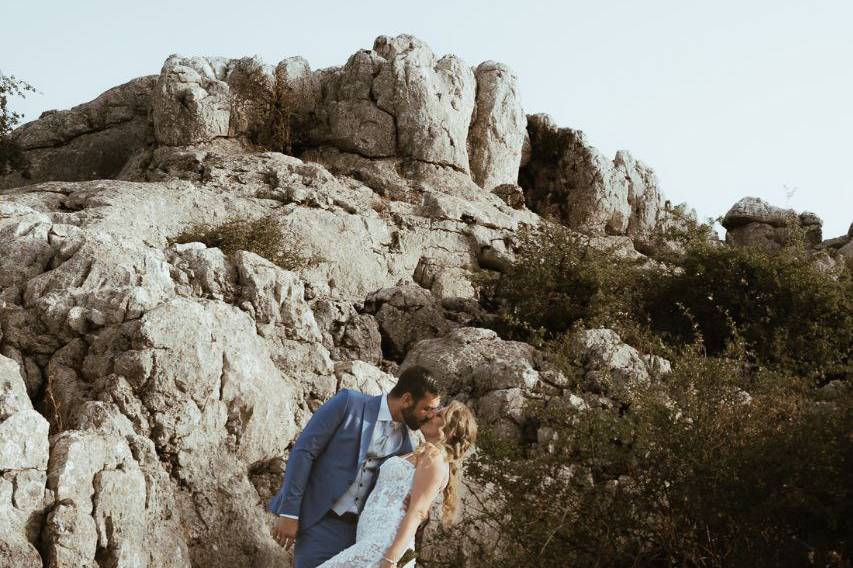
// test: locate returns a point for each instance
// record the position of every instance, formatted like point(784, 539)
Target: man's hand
point(284, 531)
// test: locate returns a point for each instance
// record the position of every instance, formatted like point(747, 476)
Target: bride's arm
point(430, 472)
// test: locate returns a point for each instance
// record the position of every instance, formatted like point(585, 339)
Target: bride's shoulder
point(430, 455)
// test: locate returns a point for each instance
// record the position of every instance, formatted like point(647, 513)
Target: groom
point(335, 461)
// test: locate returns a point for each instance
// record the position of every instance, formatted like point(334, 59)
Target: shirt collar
point(384, 411)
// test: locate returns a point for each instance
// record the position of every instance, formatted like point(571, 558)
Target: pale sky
point(722, 98)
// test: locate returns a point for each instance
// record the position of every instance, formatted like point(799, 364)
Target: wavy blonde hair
point(456, 438)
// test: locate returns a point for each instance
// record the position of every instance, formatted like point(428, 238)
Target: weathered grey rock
point(503, 410)
point(23, 431)
point(497, 131)
point(406, 314)
point(93, 140)
point(432, 101)
point(252, 90)
point(347, 334)
point(23, 441)
point(363, 377)
point(347, 116)
point(847, 253)
point(476, 361)
point(13, 393)
point(101, 493)
point(571, 180)
point(611, 366)
point(23, 460)
point(277, 297)
point(191, 102)
point(754, 222)
point(16, 551)
point(756, 210)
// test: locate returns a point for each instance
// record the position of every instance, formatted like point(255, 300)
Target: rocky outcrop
point(569, 179)
point(201, 366)
point(497, 131)
point(408, 313)
point(93, 140)
point(609, 366)
point(192, 101)
point(23, 470)
point(395, 100)
point(754, 222)
point(174, 376)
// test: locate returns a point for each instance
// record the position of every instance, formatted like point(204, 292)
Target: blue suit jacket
point(327, 456)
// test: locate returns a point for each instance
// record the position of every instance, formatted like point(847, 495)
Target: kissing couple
point(355, 490)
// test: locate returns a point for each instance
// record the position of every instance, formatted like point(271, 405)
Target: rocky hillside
point(150, 389)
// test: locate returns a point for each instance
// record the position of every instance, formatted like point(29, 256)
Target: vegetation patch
point(263, 236)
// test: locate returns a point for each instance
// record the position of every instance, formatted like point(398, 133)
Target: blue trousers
point(323, 540)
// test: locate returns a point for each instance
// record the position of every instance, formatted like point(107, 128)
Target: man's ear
point(407, 399)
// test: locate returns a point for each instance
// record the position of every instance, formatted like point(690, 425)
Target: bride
point(385, 530)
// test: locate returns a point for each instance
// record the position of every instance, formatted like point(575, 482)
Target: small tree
point(11, 155)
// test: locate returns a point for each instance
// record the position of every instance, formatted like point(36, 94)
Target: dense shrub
point(263, 236)
point(558, 280)
point(736, 458)
point(791, 315)
point(695, 473)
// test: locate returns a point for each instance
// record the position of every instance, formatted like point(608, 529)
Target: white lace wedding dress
point(380, 519)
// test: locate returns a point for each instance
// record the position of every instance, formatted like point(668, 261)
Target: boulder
point(363, 377)
point(754, 222)
point(610, 366)
point(476, 361)
point(192, 101)
point(406, 314)
point(432, 100)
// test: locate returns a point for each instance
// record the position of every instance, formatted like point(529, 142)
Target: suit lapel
point(371, 415)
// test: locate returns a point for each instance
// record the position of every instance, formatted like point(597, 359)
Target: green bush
point(694, 473)
point(12, 157)
point(558, 280)
point(263, 236)
point(791, 315)
point(736, 458)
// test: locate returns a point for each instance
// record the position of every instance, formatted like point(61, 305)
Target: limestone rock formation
point(395, 100)
point(497, 132)
point(173, 377)
point(610, 366)
point(754, 222)
point(90, 141)
point(23, 466)
point(208, 364)
point(569, 179)
point(191, 103)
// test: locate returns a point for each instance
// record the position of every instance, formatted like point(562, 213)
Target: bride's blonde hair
point(456, 437)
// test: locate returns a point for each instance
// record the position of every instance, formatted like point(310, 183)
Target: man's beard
point(411, 419)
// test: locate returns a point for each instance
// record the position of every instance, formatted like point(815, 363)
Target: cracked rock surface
point(150, 391)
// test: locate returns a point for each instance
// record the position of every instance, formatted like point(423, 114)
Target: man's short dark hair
point(417, 381)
